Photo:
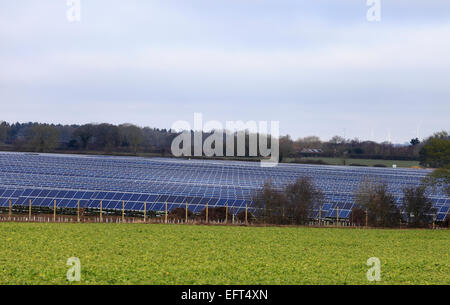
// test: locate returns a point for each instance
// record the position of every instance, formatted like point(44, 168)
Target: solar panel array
point(43, 178)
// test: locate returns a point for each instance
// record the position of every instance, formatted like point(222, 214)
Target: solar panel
point(44, 178)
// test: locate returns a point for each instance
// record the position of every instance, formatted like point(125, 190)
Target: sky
point(318, 67)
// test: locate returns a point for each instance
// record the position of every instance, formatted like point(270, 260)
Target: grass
point(366, 162)
point(182, 254)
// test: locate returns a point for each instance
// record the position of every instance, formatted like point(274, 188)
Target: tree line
point(109, 138)
point(132, 139)
point(433, 151)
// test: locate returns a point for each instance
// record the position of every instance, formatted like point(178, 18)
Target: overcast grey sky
point(319, 67)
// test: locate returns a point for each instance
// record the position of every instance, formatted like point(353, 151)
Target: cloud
point(313, 68)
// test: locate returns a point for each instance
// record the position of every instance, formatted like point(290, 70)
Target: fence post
point(123, 211)
point(145, 211)
point(434, 221)
point(206, 212)
point(186, 212)
point(226, 213)
point(246, 214)
point(29, 212)
point(320, 215)
point(101, 210)
point(367, 218)
point(10, 212)
point(78, 211)
point(54, 210)
point(165, 216)
point(337, 215)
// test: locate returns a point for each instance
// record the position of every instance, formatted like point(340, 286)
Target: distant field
point(181, 254)
point(366, 162)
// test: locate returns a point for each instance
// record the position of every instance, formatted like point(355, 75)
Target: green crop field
point(182, 254)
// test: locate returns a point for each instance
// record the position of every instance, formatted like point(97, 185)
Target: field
point(182, 254)
point(365, 162)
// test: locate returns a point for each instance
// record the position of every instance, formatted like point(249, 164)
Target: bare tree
point(43, 137)
point(291, 205)
point(271, 204)
point(3, 131)
point(301, 196)
point(380, 204)
point(286, 147)
point(106, 136)
point(131, 135)
point(336, 140)
point(418, 208)
point(357, 217)
point(439, 179)
point(84, 134)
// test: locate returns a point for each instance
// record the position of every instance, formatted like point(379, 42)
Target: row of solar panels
point(186, 188)
point(152, 202)
point(250, 179)
point(346, 199)
point(79, 170)
point(331, 210)
point(197, 176)
point(132, 162)
point(51, 164)
point(349, 197)
point(178, 180)
point(126, 186)
point(110, 200)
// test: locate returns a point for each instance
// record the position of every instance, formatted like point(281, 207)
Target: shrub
point(215, 214)
point(301, 197)
point(271, 204)
point(180, 214)
point(293, 205)
point(380, 204)
point(241, 217)
point(446, 222)
point(418, 208)
point(319, 161)
point(358, 217)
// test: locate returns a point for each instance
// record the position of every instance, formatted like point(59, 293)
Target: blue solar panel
point(44, 178)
